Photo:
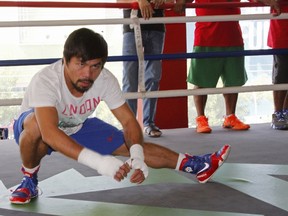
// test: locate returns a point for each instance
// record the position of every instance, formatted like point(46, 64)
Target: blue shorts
point(95, 134)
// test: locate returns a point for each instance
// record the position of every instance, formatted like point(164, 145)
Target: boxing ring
point(254, 181)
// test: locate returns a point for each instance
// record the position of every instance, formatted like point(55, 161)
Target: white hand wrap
point(104, 164)
point(136, 160)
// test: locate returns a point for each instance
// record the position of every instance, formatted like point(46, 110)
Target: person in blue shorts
point(55, 116)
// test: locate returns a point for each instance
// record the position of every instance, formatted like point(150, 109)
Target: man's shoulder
point(106, 73)
point(52, 69)
point(49, 75)
point(106, 80)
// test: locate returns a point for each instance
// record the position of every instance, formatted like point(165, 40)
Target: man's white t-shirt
point(48, 89)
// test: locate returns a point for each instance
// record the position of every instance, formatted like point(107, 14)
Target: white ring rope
point(180, 92)
point(205, 91)
point(216, 18)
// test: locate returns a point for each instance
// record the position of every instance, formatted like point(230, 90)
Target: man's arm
point(180, 7)
point(47, 120)
point(145, 6)
point(131, 128)
point(273, 4)
point(146, 9)
point(134, 141)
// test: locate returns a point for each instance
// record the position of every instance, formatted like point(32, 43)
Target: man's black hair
point(86, 44)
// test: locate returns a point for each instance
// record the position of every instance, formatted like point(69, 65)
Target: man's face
point(80, 75)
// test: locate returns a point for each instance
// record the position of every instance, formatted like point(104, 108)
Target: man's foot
point(202, 125)
point(234, 123)
point(26, 191)
point(279, 122)
point(205, 166)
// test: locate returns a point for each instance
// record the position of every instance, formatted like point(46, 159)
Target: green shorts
point(206, 72)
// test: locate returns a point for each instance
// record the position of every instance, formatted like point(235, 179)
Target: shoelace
point(196, 160)
point(280, 116)
point(234, 120)
point(28, 183)
point(202, 122)
point(40, 192)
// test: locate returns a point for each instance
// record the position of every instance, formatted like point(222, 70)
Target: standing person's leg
point(234, 74)
point(153, 42)
point(199, 70)
point(285, 107)
point(200, 101)
point(230, 103)
point(285, 104)
point(32, 150)
point(278, 100)
point(280, 76)
point(130, 69)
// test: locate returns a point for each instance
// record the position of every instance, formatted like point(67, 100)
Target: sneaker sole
point(203, 131)
point(279, 127)
point(19, 203)
point(22, 203)
point(224, 156)
point(233, 128)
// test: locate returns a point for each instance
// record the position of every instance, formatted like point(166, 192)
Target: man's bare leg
point(204, 166)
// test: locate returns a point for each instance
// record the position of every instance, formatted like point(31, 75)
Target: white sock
point(180, 159)
point(32, 170)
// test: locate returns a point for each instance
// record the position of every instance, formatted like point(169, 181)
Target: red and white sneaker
point(27, 189)
point(206, 165)
point(215, 161)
